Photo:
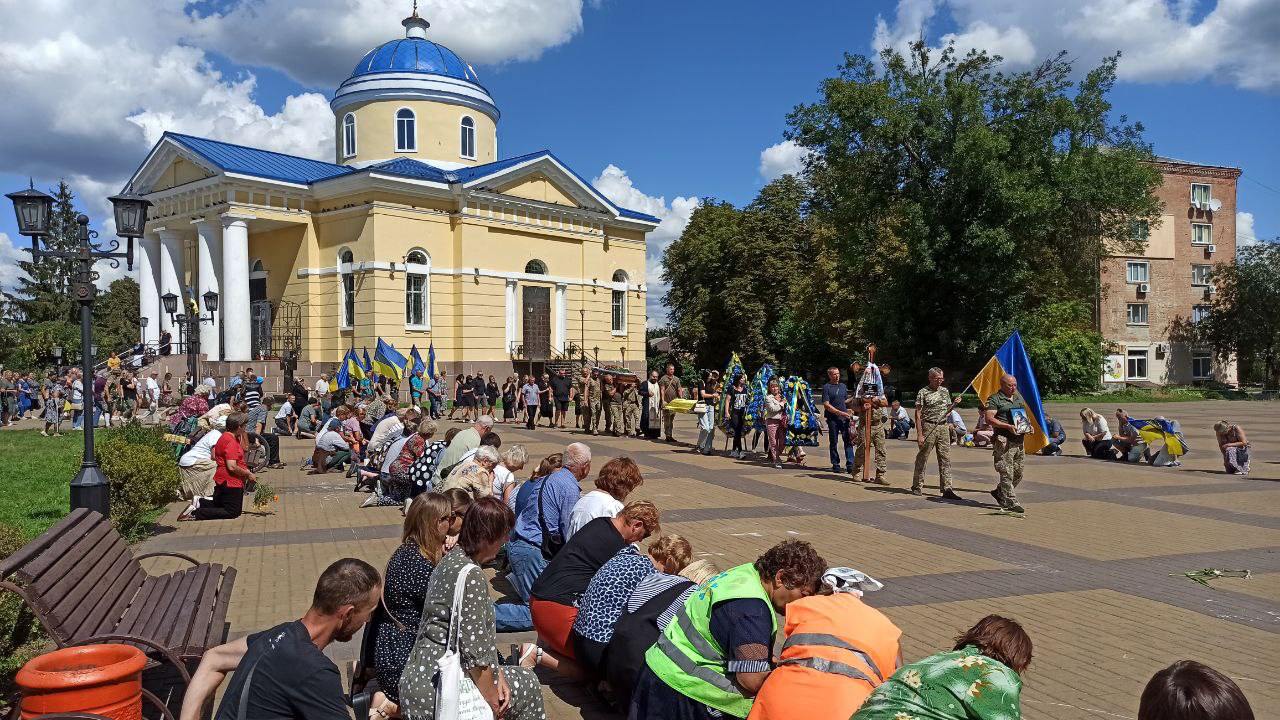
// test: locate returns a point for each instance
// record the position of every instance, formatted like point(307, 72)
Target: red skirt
point(553, 622)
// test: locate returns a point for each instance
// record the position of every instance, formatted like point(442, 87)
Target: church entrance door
point(537, 323)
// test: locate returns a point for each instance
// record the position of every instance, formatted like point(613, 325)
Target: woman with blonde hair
point(505, 483)
point(394, 627)
point(1095, 435)
point(1234, 445)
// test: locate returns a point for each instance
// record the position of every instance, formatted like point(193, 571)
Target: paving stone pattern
point(1093, 570)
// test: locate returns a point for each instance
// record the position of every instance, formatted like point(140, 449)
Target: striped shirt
point(653, 586)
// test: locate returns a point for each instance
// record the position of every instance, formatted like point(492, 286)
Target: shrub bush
point(139, 463)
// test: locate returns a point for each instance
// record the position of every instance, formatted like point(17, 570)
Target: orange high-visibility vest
point(838, 649)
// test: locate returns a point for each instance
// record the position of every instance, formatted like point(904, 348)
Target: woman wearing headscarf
point(838, 649)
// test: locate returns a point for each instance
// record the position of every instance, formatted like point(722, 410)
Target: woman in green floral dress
point(978, 680)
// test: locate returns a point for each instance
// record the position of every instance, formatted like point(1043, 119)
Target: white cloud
point(1245, 233)
point(88, 101)
point(616, 185)
point(319, 42)
point(93, 100)
point(9, 257)
point(1161, 41)
point(785, 158)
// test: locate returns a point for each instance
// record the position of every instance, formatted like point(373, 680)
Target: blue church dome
point(413, 54)
point(413, 67)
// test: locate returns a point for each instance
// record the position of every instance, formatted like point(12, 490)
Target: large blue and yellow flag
point(1012, 359)
point(349, 369)
point(1162, 430)
point(388, 362)
point(367, 366)
point(416, 358)
point(431, 360)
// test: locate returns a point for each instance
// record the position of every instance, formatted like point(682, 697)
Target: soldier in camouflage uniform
point(630, 409)
point(593, 404)
point(580, 392)
point(1007, 443)
point(933, 404)
point(612, 406)
point(876, 428)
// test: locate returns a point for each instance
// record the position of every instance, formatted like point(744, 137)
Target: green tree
point(1244, 319)
point(958, 202)
point(115, 316)
point(44, 293)
point(693, 265)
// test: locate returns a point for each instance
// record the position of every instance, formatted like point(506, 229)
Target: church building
point(418, 232)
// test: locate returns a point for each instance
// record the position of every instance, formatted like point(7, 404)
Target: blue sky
point(680, 97)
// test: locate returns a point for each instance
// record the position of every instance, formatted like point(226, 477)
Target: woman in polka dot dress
point(408, 576)
point(512, 691)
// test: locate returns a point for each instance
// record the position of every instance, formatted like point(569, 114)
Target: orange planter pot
point(101, 679)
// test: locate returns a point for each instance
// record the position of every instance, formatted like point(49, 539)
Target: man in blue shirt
point(835, 400)
point(542, 502)
point(415, 389)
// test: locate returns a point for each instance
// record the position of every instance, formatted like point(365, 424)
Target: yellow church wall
point(438, 129)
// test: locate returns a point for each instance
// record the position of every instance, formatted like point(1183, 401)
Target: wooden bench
point(84, 585)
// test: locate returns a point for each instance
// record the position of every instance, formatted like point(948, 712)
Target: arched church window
point(535, 267)
point(347, 273)
point(406, 131)
point(257, 267)
point(468, 146)
point(619, 304)
point(348, 135)
point(417, 290)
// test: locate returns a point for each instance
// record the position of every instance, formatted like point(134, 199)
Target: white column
point(209, 252)
point(511, 314)
point(562, 311)
point(148, 286)
point(171, 277)
point(234, 306)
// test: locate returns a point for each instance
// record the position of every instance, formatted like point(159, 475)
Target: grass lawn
point(37, 471)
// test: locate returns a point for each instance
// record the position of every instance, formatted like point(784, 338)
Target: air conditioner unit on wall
point(1144, 288)
point(1211, 249)
point(1162, 349)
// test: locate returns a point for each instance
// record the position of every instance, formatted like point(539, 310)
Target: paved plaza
point(1093, 571)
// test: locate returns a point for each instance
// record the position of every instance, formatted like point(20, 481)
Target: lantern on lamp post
point(89, 488)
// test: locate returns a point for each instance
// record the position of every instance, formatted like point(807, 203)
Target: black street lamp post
point(189, 325)
point(89, 488)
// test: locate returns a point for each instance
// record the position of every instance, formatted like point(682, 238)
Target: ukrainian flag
point(417, 360)
point(431, 360)
point(388, 362)
point(1160, 429)
point(1012, 359)
point(367, 366)
point(349, 369)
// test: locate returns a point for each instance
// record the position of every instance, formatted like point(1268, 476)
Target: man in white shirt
point(322, 390)
point(196, 467)
point(286, 418)
point(389, 428)
point(153, 389)
point(899, 422)
point(331, 451)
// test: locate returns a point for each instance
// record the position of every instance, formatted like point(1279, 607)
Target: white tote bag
point(457, 697)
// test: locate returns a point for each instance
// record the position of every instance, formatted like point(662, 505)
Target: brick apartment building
point(1144, 297)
